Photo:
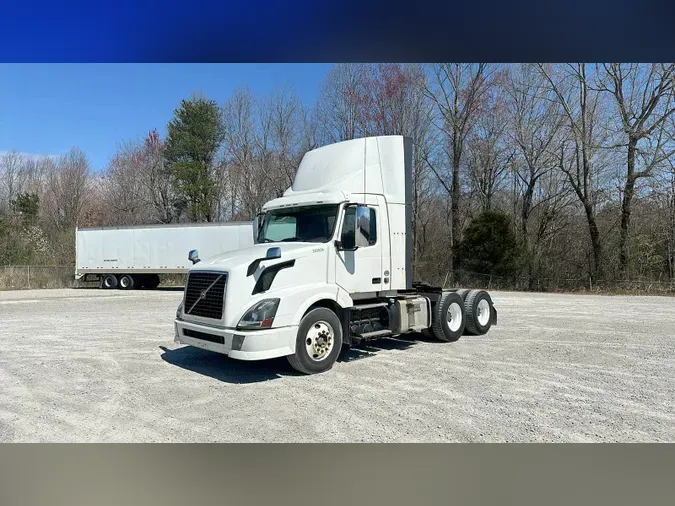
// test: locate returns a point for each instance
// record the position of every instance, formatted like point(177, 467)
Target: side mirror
point(193, 256)
point(340, 246)
point(273, 253)
point(347, 240)
point(258, 222)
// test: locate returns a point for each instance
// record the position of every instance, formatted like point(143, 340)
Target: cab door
point(358, 267)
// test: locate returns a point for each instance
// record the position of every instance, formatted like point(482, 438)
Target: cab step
point(374, 334)
point(369, 306)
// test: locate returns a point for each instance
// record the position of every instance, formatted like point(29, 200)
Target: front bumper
point(241, 345)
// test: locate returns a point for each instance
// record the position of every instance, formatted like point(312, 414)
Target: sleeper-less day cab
point(331, 267)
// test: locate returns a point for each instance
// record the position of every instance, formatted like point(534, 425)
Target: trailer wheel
point(478, 309)
point(127, 282)
point(448, 317)
point(109, 281)
point(318, 343)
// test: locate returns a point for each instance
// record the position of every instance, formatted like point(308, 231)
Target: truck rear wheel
point(318, 343)
point(448, 317)
point(127, 282)
point(478, 309)
point(109, 281)
point(462, 292)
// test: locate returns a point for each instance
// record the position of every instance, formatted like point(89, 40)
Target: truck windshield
point(306, 224)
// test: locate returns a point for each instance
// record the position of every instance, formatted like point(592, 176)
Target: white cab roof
point(337, 172)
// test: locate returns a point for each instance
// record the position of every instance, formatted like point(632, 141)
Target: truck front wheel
point(318, 343)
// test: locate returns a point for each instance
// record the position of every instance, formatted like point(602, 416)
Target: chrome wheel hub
point(319, 341)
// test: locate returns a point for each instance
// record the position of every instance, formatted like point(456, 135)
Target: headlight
point(259, 316)
point(179, 310)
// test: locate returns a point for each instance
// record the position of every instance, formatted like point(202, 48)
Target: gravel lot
point(92, 365)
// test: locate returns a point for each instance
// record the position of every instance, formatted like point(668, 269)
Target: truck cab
point(331, 266)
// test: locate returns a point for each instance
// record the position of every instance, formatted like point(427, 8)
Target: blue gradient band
point(274, 31)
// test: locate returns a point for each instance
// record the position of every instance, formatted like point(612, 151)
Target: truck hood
point(243, 257)
point(308, 269)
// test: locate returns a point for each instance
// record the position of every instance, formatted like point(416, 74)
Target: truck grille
point(204, 294)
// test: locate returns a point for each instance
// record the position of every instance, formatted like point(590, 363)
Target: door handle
point(377, 281)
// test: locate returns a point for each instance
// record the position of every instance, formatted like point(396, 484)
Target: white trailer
point(131, 257)
point(332, 266)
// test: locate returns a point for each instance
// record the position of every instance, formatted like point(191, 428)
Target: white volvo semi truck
point(331, 267)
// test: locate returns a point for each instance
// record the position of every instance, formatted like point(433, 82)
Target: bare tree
point(340, 107)
point(458, 91)
point(246, 191)
point(12, 177)
point(489, 151)
point(670, 218)
point(643, 99)
point(123, 188)
point(286, 123)
point(137, 186)
point(536, 130)
point(578, 102)
point(156, 178)
point(66, 191)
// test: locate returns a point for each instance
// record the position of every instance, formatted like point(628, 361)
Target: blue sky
point(46, 109)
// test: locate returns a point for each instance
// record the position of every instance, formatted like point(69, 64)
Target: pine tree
point(194, 136)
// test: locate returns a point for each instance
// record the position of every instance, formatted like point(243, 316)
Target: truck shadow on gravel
point(223, 368)
point(371, 348)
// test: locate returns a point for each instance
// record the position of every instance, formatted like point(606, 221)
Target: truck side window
point(367, 227)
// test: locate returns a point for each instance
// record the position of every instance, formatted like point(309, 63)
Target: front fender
point(295, 304)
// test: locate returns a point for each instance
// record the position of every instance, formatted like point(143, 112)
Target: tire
point(109, 281)
point(450, 305)
point(478, 309)
point(321, 323)
point(462, 292)
point(127, 282)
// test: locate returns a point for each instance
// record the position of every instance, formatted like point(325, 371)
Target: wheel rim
point(483, 312)
point(124, 282)
point(454, 317)
point(107, 282)
point(319, 341)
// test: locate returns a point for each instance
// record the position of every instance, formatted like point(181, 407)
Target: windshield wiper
point(265, 239)
point(290, 239)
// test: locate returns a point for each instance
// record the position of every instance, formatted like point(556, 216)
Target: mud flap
point(493, 315)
